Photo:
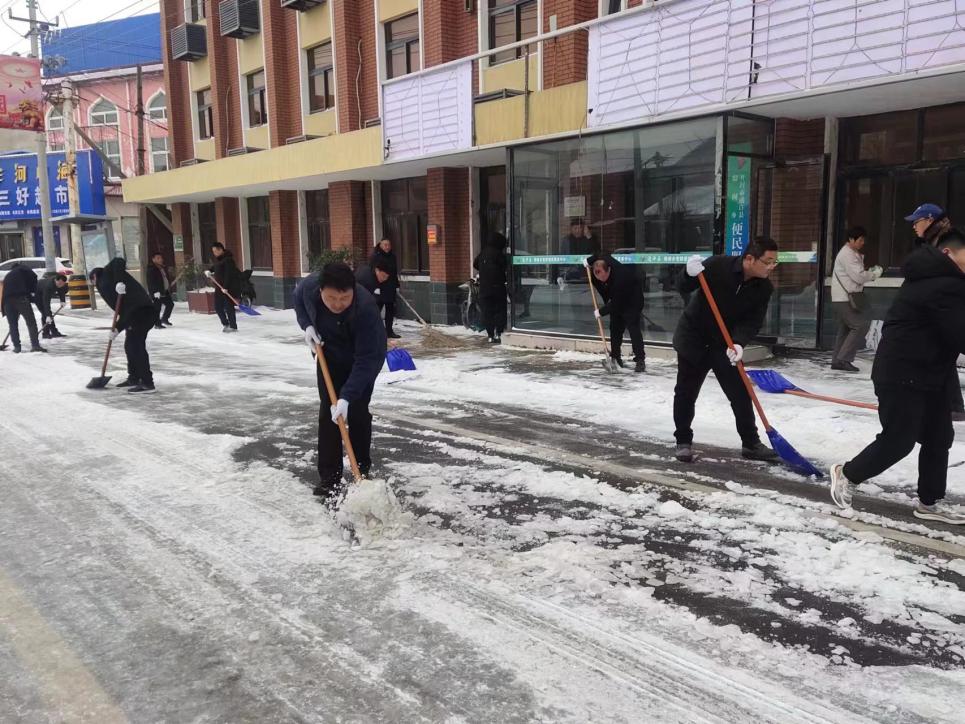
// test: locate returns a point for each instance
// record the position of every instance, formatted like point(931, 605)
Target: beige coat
point(849, 275)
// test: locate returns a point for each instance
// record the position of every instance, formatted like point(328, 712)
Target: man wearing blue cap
point(930, 224)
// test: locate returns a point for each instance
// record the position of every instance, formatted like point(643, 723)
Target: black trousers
point(389, 307)
point(46, 327)
point(908, 416)
point(225, 310)
point(626, 321)
point(493, 308)
point(691, 374)
point(18, 307)
point(166, 303)
point(955, 392)
point(135, 346)
point(359, 421)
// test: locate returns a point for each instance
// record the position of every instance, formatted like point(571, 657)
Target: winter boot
point(54, 332)
point(129, 382)
point(684, 453)
point(640, 366)
point(939, 512)
point(390, 333)
point(142, 389)
point(844, 367)
point(758, 451)
point(37, 348)
point(226, 329)
point(841, 488)
point(167, 323)
point(46, 334)
point(16, 349)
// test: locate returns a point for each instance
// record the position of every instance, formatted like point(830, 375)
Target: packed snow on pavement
point(553, 562)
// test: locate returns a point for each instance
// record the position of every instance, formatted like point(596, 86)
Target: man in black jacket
point(390, 286)
point(160, 287)
point(136, 318)
point(742, 291)
point(226, 273)
point(371, 276)
point(47, 289)
point(622, 291)
point(922, 337)
point(334, 311)
point(491, 264)
point(19, 288)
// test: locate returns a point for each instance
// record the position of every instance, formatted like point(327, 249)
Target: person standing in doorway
point(160, 285)
point(19, 288)
point(136, 318)
point(226, 273)
point(339, 314)
point(47, 289)
point(922, 337)
point(742, 291)
point(389, 288)
point(930, 224)
point(491, 264)
point(849, 302)
point(622, 291)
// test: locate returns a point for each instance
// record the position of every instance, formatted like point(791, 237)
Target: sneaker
point(129, 382)
point(684, 453)
point(392, 335)
point(841, 487)
point(844, 367)
point(938, 512)
point(37, 348)
point(226, 328)
point(167, 323)
point(142, 389)
point(758, 451)
point(640, 366)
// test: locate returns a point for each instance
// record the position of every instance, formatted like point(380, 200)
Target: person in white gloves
point(136, 318)
point(160, 285)
point(742, 291)
point(340, 315)
point(849, 302)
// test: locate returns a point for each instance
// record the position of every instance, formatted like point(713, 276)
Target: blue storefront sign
point(38, 234)
point(20, 189)
point(738, 205)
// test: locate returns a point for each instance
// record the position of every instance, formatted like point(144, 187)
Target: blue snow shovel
point(250, 311)
point(399, 359)
point(782, 447)
point(775, 382)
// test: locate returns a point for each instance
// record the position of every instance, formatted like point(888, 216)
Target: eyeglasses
point(769, 264)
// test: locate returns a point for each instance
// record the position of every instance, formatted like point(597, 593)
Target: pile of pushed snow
point(372, 511)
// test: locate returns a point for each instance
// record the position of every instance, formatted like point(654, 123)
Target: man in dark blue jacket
point(334, 311)
point(19, 288)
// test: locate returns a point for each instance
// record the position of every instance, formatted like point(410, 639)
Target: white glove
point(120, 288)
point(208, 273)
point(876, 271)
point(311, 337)
point(736, 354)
point(377, 291)
point(114, 334)
point(695, 265)
point(157, 295)
point(596, 313)
point(586, 263)
point(340, 410)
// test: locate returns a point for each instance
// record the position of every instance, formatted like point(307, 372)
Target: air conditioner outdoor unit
point(300, 139)
point(241, 150)
point(188, 42)
point(301, 5)
point(239, 18)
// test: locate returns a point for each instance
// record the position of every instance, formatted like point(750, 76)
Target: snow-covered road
point(163, 558)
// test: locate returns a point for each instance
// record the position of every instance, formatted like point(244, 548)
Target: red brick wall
point(228, 218)
point(282, 61)
point(176, 86)
point(285, 249)
point(448, 192)
point(355, 21)
point(449, 32)
point(350, 209)
point(223, 61)
point(564, 59)
point(181, 221)
point(794, 138)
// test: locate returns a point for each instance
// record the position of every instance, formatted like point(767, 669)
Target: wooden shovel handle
point(342, 427)
point(225, 292)
point(836, 400)
point(730, 344)
point(599, 321)
point(110, 342)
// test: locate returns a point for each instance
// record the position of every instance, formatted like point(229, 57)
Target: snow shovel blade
point(98, 383)
point(609, 365)
point(792, 457)
point(249, 310)
point(399, 359)
point(771, 381)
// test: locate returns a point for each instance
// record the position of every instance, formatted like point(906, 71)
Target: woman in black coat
point(491, 264)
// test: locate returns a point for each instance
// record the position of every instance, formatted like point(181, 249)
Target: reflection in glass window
point(402, 46)
point(404, 218)
point(259, 233)
point(511, 21)
point(321, 78)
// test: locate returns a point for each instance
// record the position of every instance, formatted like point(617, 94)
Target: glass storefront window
point(259, 233)
point(750, 136)
point(886, 139)
point(405, 213)
point(944, 133)
point(645, 195)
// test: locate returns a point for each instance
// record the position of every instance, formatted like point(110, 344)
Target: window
point(402, 46)
point(56, 146)
point(194, 10)
point(205, 114)
point(509, 22)
point(944, 133)
point(609, 7)
point(159, 154)
point(404, 218)
point(55, 120)
point(886, 139)
point(111, 149)
point(257, 107)
point(319, 226)
point(259, 233)
point(157, 109)
point(103, 113)
point(321, 78)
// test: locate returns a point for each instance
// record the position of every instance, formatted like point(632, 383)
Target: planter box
point(201, 302)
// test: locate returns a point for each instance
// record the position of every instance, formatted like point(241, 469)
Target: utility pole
point(70, 144)
point(139, 112)
point(46, 226)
